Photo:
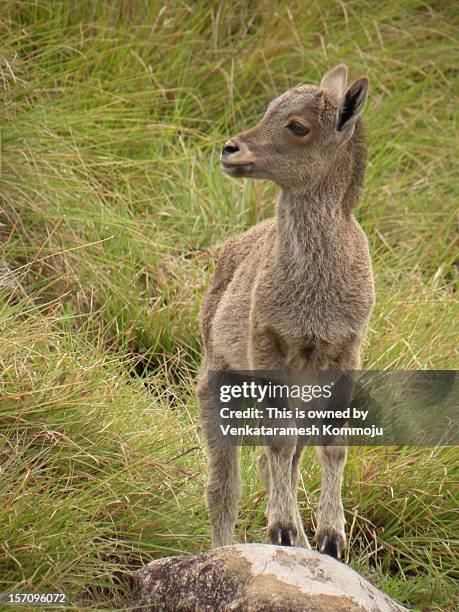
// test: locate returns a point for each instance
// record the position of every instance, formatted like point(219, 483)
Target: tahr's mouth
point(236, 168)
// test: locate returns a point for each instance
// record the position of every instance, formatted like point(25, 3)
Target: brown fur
point(293, 292)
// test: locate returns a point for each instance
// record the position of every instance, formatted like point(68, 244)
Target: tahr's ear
point(351, 106)
point(335, 80)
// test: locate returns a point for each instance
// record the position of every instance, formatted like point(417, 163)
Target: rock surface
point(256, 578)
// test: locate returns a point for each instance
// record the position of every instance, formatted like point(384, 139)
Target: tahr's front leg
point(224, 478)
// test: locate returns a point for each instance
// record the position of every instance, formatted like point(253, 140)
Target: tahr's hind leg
point(330, 535)
point(282, 511)
point(301, 539)
point(263, 468)
point(282, 502)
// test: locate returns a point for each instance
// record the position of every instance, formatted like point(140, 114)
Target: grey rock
point(256, 578)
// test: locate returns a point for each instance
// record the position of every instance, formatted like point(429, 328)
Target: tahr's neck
point(312, 231)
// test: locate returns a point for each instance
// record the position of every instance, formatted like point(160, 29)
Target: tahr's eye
point(298, 129)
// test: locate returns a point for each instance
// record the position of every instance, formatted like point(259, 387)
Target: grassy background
point(111, 205)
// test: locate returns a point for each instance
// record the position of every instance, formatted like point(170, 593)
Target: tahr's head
point(303, 132)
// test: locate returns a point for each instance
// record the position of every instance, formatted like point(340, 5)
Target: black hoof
point(331, 543)
point(282, 536)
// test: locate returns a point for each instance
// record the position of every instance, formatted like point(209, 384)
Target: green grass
point(112, 204)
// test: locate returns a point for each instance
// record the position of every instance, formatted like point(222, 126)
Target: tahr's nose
point(230, 147)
